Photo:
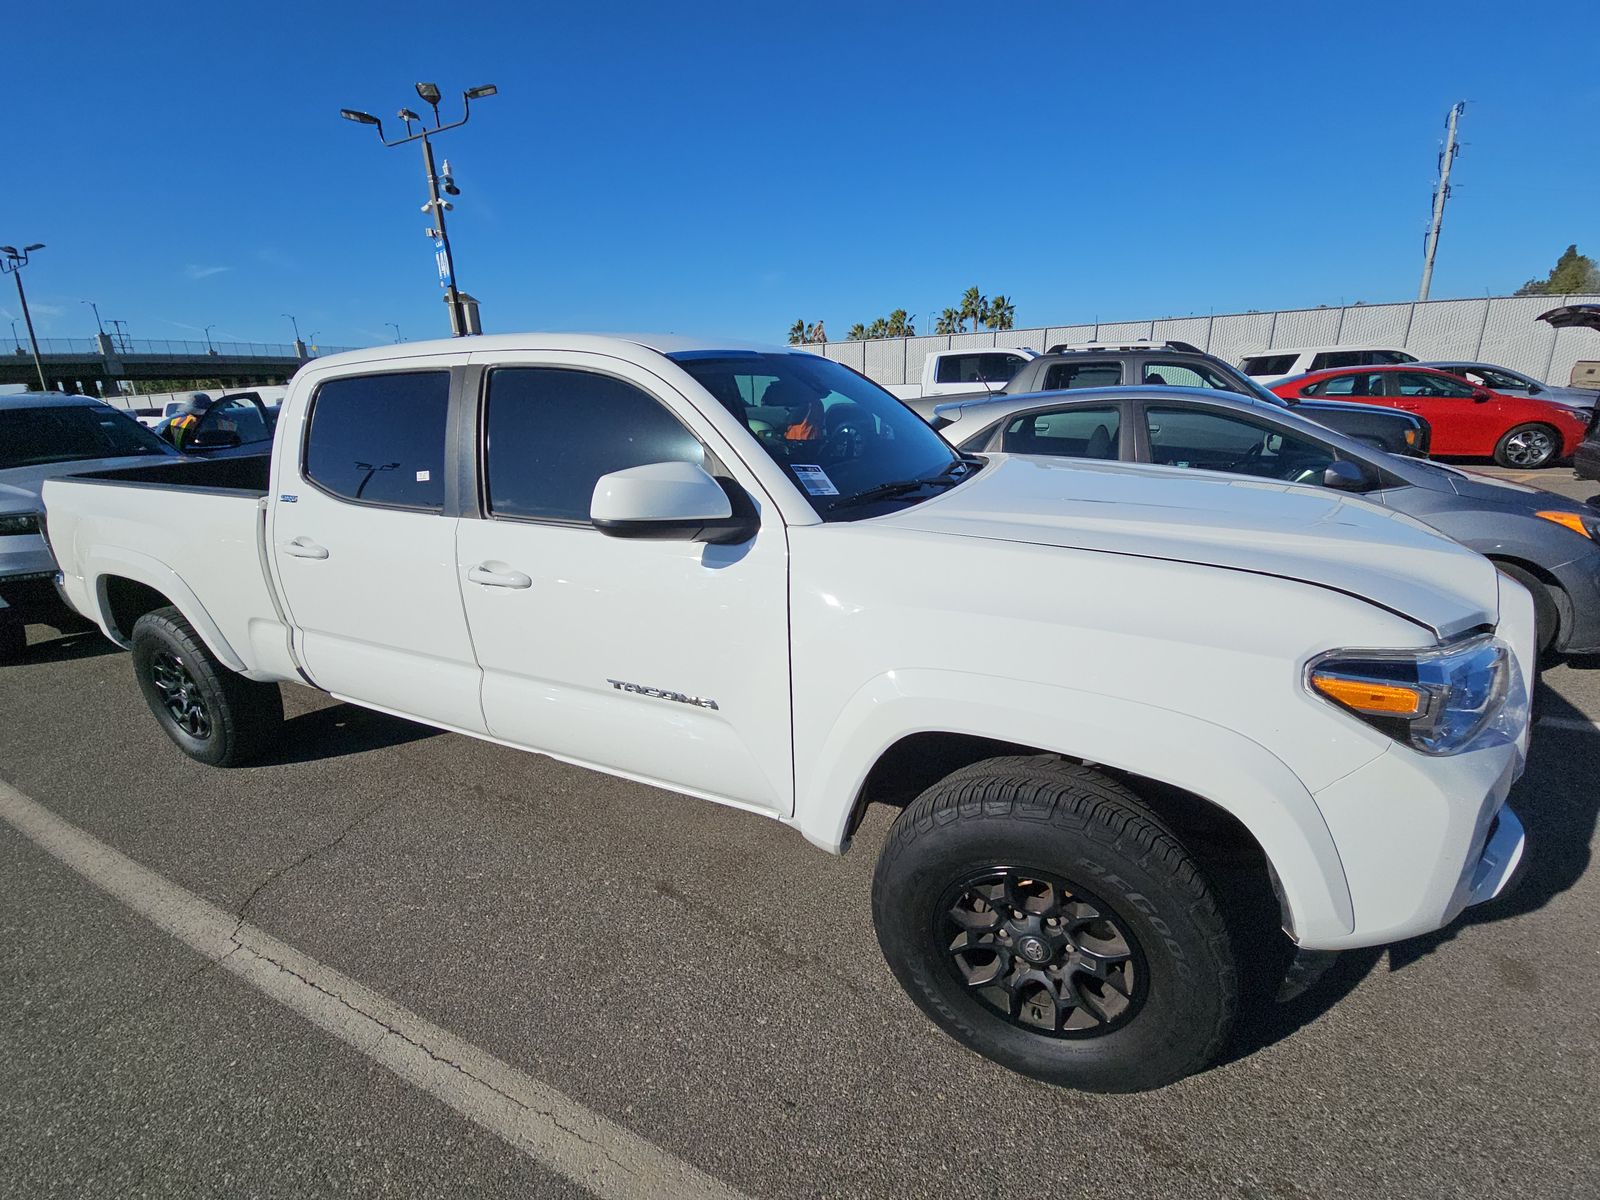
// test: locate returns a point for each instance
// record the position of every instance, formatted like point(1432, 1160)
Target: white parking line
point(554, 1130)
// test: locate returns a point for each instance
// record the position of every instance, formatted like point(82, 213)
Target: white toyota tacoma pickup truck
point(1109, 699)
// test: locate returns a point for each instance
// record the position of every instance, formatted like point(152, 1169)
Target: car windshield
point(31, 437)
point(847, 444)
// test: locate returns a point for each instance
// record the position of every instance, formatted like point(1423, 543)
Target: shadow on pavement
point(1559, 806)
point(341, 730)
point(73, 639)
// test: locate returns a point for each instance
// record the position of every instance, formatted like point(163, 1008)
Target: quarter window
point(1195, 375)
point(1213, 441)
point(1068, 375)
point(1269, 364)
point(977, 368)
point(1069, 433)
point(379, 439)
point(1329, 359)
point(550, 433)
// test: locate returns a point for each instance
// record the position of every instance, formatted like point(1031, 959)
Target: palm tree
point(949, 322)
point(878, 329)
point(858, 331)
point(973, 305)
point(1001, 313)
point(900, 325)
point(797, 333)
point(816, 333)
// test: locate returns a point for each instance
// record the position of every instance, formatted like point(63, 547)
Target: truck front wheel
point(1044, 917)
point(216, 716)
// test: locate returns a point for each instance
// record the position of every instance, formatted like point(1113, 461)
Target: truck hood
point(1310, 534)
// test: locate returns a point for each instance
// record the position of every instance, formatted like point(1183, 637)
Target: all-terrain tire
point(215, 715)
point(1057, 828)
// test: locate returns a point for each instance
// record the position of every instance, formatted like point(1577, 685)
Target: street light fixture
point(437, 206)
point(397, 338)
point(210, 349)
point(15, 260)
point(96, 308)
point(294, 323)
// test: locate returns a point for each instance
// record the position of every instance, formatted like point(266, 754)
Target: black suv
point(1178, 364)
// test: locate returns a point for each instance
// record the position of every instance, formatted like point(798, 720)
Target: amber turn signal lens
point(1365, 695)
point(1570, 519)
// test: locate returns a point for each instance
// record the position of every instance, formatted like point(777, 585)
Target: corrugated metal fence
point(1495, 329)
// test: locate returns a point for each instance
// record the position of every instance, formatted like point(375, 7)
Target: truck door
point(666, 661)
point(363, 545)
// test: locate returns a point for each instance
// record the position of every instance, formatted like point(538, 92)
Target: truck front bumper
point(1423, 838)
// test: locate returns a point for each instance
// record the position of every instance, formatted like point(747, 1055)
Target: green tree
point(949, 322)
point(1573, 273)
point(1001, 313)
point(797, 333)
point(858, 331)
point(900, 325)
point(815, 333)
point(973, 306)
point(878, 329)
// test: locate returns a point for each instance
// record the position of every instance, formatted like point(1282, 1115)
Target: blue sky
point(729, 167)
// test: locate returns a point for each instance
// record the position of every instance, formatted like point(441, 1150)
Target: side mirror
point(1481, 395)
point(670, 501)
point(1345, 475)
point(218, 439)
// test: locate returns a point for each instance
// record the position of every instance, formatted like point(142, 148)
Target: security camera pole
point(12, 264)
point(436, 205)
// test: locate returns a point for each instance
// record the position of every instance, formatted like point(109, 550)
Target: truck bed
point(247, 474)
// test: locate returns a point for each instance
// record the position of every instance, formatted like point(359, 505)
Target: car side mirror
point(1346, 475)
point(1481, 395)
point(217, 439)
point(671, 501)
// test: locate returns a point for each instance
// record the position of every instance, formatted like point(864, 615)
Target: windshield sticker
point(814, 479)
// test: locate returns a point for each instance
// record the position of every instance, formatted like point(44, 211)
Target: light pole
point(96, 308)
point(14, 336)
point(294, 323)
point(15, 260)
point(397, 338)
point(210, 349)
point(436, 205)
point(122, 334)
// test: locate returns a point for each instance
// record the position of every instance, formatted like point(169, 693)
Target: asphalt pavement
point(693, 978)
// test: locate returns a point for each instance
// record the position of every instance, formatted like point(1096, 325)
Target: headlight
point(1588, 527)
point(1436, 701)
point(14, 523)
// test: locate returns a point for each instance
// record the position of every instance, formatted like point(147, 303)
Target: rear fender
point(103, 562)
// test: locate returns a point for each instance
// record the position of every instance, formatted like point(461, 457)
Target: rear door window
point(238, 417)
point(1269, 364)
point(379, 439)
point(1180, 374)
point(1067, 433)
point(1062, 376)
point(1330, 359)
point(1358, 383)
point(1416, 383)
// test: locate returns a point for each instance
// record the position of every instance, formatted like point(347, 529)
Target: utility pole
point(12, 265)
point(460, 325)
point(1441, 193)
point(122, 334)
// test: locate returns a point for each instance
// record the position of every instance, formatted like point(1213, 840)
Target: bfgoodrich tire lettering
point(215, 715)
point(1053, 824)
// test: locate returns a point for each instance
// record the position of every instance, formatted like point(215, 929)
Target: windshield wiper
point(948, 477)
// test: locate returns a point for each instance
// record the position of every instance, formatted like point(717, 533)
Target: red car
point(1468, 421)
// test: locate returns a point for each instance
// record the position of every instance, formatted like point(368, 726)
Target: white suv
point(1271, 366)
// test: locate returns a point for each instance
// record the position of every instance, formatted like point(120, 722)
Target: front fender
point(1238, 775)
point(103, 562)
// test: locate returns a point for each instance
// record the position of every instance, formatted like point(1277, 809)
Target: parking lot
point(688, 990)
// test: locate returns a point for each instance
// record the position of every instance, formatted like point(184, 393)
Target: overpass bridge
point(91, 366)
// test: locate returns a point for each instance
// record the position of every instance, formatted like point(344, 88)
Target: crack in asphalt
point(275, 874)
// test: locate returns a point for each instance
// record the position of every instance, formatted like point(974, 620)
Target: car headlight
point(15, 523)
point(1580, 524)
point(1436, 701)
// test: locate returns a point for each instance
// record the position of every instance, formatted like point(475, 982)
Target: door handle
point(304, 547)
point(488, 576)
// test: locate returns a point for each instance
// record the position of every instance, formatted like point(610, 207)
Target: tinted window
point(1500, 381)
point(551, 433)
point(1062, 376)
point(1358, 384)
point(977, 368)
point(30, 437)
point(1195, 375)
point(238, 417)
point(1415, 383)
point(380, 438)
point(1213, 441)
point(1269, 364)
point(1386, 358)
point(1071, 433)
point(1329, 359)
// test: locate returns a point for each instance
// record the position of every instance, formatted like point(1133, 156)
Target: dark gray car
point(1514, 383)
point(1544, 541)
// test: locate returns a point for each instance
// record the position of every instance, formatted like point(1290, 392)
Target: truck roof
point(662, 343)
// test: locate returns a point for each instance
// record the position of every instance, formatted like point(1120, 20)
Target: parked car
point(1514, 383)
point(1101, 692)
point(1586, 461)
point(1273, 366)
point(44, 434)
point(955, 372)
point(1182, 365)
point(1547, 543)
point(1467, 421)
point(235, 425)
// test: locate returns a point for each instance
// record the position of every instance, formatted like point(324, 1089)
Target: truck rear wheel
point(215, 715)
point(1044, 917)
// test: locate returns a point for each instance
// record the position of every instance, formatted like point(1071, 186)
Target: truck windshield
point(31, 437)
point(847, 444)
